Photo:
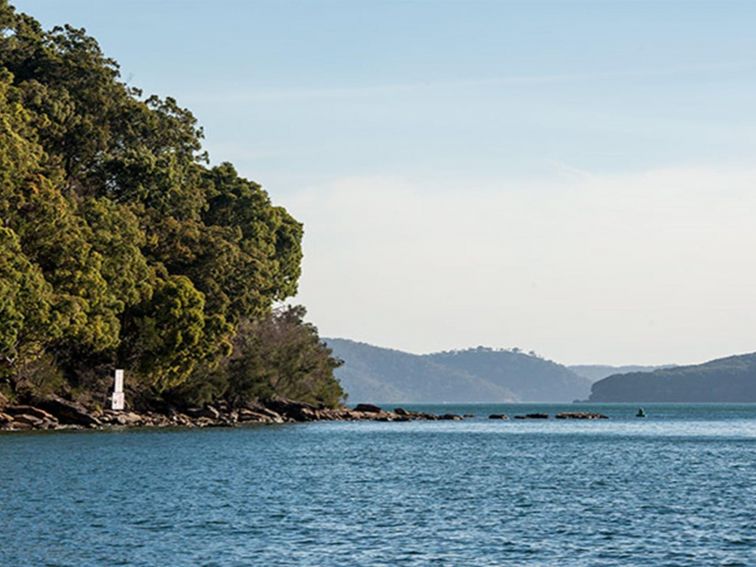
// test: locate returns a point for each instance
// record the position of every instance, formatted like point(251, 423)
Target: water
point(676, 488)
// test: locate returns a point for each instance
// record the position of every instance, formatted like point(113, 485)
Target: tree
point(27, 324)
point(120, 245)
point(282, 355)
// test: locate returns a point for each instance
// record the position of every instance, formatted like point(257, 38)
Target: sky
point(575, 178)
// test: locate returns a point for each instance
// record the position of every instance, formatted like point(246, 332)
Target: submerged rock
point(580, 415)
point(498, 416)
point(533, 416)
point(451, 417)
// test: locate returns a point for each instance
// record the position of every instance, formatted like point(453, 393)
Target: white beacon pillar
point(117, 401)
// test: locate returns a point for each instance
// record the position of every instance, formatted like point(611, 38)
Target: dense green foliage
point(121, 245)
point(276, 355)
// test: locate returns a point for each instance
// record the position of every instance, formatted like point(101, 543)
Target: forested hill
point(121, 246)
point(372, 373)
point(595, 372)
point(731, 379)
point(530, 377)
point(380, 375)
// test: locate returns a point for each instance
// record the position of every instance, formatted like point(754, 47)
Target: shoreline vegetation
point(123, 247)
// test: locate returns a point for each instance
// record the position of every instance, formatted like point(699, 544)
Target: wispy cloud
point(256, 94)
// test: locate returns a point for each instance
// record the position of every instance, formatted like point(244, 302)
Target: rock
point(401, 411)
point(427, 416)
point(30, 419)
point(469, 415)
point(5, 418)
point(30, 410)
point(296, 411)
point(128, 418)
point(259, 408)
point(67, 412)
point(451, 417)
point(533, 416)
point(181, 419)
point(368, 408)
point(344, 414)
point(156, 420)
point(246, 416)
point(20, 426)
point(208, 411)
point(193, 412)
point(498, 416)
point(580, 415)
point(3, 401)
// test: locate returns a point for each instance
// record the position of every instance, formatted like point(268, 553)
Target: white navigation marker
point(118, 401)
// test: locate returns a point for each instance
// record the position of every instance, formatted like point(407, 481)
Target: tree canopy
point(120, 244)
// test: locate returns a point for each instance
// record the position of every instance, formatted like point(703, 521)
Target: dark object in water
point(451, 417)
point(533, 416)
point(367, 408)
point(498, 416)
point(580, 415)
point(641, 413)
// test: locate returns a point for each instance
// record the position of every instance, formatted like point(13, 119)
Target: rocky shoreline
point(56, 413)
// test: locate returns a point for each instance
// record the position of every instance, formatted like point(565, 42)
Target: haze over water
point(678, 488)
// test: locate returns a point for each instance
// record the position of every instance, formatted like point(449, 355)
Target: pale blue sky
point(571, 177)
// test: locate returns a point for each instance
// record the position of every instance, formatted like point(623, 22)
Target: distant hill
point(731, 379)
point(380, 375)
point(531, 378)
point(595, 372)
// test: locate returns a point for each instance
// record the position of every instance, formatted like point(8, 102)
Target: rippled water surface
point(677, 488)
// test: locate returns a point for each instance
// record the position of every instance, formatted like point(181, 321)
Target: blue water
point(676, 488)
